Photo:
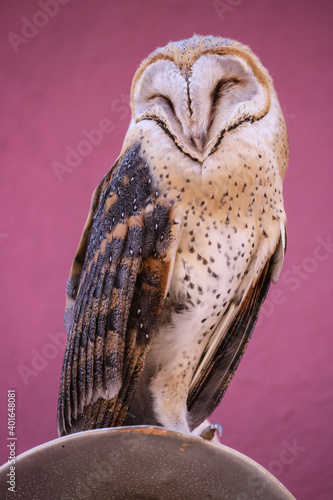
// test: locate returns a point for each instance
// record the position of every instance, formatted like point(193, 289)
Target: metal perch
point(147, 463)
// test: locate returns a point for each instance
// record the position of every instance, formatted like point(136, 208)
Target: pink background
point(77, 70)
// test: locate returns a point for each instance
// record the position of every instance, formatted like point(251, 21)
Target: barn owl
point(184, 235)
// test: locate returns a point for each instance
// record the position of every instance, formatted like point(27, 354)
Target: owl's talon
point(209, 432)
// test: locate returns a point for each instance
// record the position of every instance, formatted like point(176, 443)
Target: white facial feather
point(219, 85)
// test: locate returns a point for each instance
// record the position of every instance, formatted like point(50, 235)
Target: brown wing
point(115, 293)
point(207, 391)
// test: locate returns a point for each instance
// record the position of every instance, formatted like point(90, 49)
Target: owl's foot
point(209, 433)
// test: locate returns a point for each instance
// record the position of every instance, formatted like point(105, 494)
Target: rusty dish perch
point(147, 463)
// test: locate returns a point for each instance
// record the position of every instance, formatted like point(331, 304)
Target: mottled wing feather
point(116, 290)
point(215, 377)
point(77, 266)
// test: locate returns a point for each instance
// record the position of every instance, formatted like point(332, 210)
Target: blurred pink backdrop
point(68, 74)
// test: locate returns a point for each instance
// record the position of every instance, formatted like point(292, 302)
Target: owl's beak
point(199, 141)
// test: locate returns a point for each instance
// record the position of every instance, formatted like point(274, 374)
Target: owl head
point(198, 90)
